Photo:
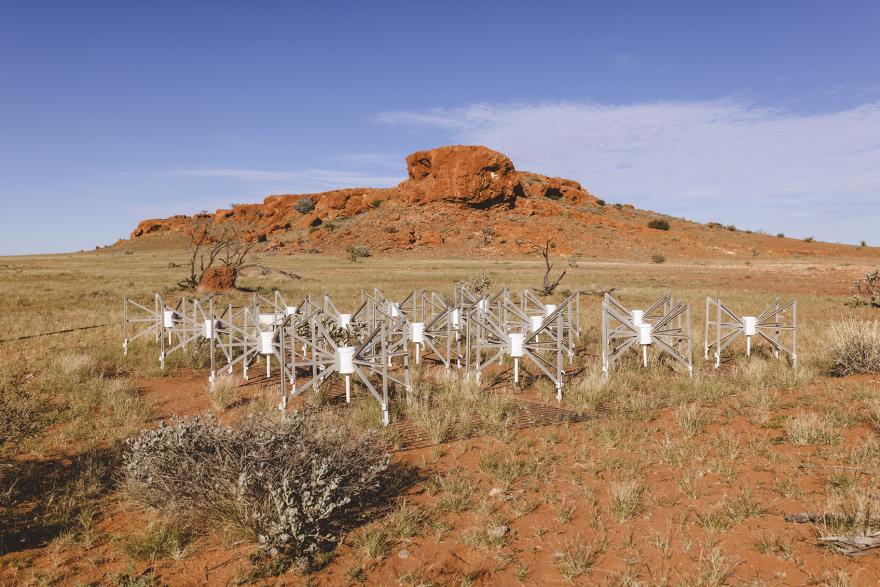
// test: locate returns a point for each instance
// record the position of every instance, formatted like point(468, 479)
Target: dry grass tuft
point(225, 391)
point(576, 557)
point(160, 540)
point(626, 499)
point(854, 347)
point(690, 419)
point(811, 428)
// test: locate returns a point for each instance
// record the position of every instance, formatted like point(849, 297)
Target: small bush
point(863, 244)
point(304, 205)
point(476, 283)
point(658, 224)
point(868, 287)
point(657, 258)
point(600, 202)
point(376, 203)
point(294, 488)
point(356, 252)
point(21, 416)
point(809, 239)
point(854, 347)
point(780, 235)
point(731, 227)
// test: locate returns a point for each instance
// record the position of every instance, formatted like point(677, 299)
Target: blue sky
point(761, 114)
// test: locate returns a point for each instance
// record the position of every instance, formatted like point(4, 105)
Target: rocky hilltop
point(471, 201)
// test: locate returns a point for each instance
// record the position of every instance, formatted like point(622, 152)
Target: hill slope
point(471, 201)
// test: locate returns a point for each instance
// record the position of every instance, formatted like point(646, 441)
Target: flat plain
point(646, 478)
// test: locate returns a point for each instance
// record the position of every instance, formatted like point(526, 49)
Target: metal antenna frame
point(536, 312)
point(770, 325)
point(187, 322)
point(511, 335)
point(139, 321)
point(324, 357)
point(669, 331)
point(438, 333)
point(301, 337)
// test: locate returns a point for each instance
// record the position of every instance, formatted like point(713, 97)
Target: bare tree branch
point(544, 251)
point(210, 245)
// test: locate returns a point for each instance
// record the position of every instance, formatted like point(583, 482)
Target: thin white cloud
point(395, 160)
point(760, 168)
point(623, 61)
point(326, 177)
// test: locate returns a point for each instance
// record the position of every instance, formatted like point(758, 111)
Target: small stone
point(498, 531)
point(403, 553)
point(495, 492)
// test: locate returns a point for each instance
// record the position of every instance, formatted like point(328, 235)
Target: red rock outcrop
point(468, 201)
point(470, 177)
point(473, 176)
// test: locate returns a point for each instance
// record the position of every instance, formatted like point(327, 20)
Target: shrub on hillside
point(293, 487)
point(659, 224)
point(356, 252)
point(657, 258)
point(854, 347)
point(304, 205)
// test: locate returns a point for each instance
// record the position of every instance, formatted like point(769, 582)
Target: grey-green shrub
point(291, 486)
point(659, 224)
point(304, 205)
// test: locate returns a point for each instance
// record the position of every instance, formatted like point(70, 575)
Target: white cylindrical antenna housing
point(417, 332)
point(644, 334)
point(750, 325)
point(483, 305)
point(638, 317)
point(210, 329)
point(291, 310)
point(345, 360)
point(169, 318)
point(515, 344)
point(344, 320)
point(549, 309)
point(535, 322)
point(266, 340)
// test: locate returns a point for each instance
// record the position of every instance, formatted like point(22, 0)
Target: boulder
point(474, 176)
point(217, 279)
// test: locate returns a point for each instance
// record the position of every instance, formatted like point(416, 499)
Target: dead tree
point(544, 251)
point(212, 246)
